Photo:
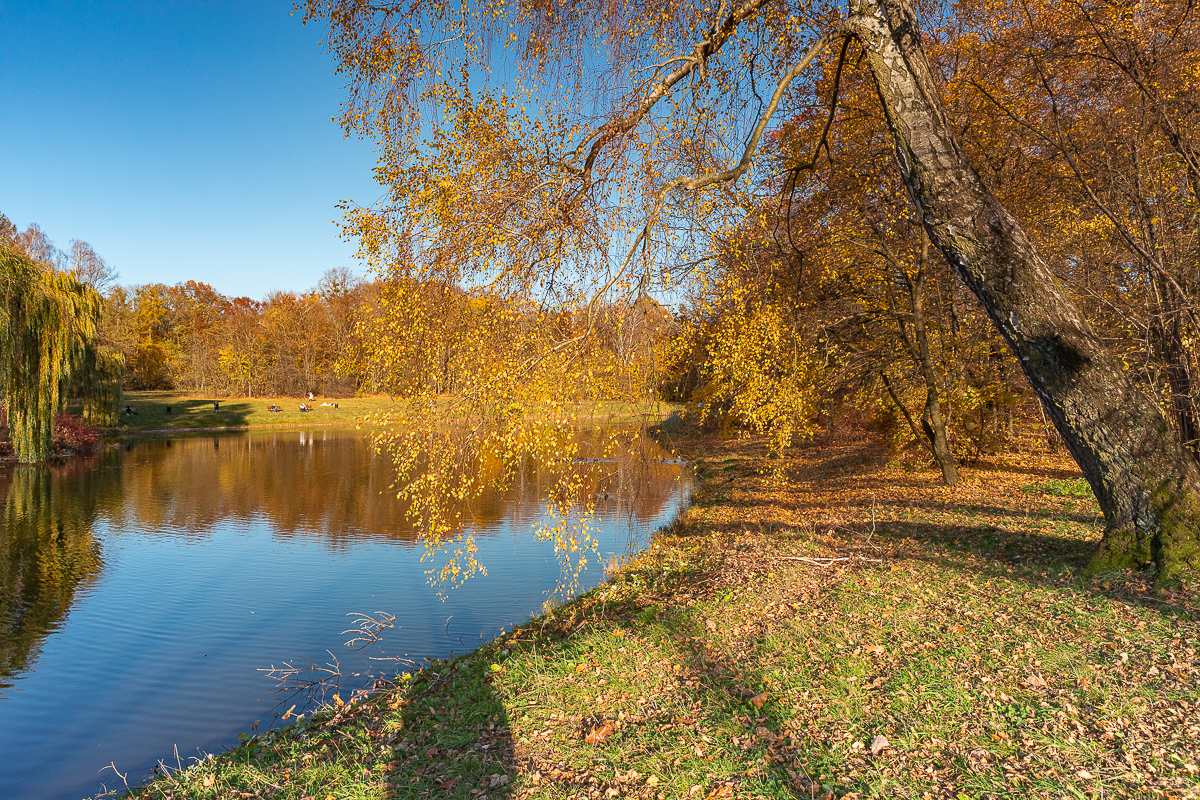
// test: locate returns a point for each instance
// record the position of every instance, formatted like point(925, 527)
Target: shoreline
point(851, 629)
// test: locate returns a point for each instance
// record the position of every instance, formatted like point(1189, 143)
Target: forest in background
point(335, 339)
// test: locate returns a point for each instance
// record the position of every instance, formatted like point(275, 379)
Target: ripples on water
point(141, 591)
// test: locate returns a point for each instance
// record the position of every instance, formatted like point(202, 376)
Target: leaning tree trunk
point(1147, 486)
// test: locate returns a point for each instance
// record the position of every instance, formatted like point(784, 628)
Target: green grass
point(189, 411)
point(1077, 487)
point(733, 660)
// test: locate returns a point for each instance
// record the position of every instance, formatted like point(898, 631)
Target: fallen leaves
point(598, 734)
point(1035, 682)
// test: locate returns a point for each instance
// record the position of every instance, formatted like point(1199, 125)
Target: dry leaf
point(878, 744)
point(1035, 682)
point(876, 650)
point(599, 734)
point(712, 626)
point(759, 700)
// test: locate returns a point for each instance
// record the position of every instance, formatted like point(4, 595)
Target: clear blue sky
point(182, 139)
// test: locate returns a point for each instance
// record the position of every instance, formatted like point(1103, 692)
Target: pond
point(144, 590)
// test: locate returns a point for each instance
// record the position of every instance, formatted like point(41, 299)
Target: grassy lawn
point(796, 616)
point(189, 411)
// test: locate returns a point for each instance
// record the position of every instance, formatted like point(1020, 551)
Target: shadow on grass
point(1040, 472)
point(175, 414)
point(454, 737)
point(1034, 558)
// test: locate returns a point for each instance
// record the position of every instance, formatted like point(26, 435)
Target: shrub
point(72, 433)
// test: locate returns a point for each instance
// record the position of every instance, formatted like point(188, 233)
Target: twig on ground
point(872, 533)
point(826, 562)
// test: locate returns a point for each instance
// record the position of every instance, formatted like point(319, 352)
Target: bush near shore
point(832, 625)
point(72, 437)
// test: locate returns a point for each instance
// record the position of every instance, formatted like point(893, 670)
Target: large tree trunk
point(1147, 486)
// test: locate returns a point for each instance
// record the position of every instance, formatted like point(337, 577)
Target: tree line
point(340, 338)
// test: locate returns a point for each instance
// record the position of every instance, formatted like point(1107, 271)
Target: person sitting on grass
point(304, 407)
point(130, 411)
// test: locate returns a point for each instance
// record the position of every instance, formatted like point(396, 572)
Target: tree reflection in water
point(344, 493)
point(47, 550)
point(338, 495)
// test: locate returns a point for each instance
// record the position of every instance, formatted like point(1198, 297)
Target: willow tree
point(48, 327)
point(564, 149)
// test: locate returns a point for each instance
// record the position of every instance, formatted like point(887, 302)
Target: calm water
point(142, 590)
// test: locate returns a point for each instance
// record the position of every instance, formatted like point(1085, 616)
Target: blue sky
point(182, 139)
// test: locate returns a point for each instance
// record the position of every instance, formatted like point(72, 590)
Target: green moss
point(1174, 549)
point(1178, 550)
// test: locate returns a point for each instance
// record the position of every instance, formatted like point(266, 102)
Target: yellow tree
point(610, 138)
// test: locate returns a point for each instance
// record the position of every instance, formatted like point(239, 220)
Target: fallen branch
point(826, 562)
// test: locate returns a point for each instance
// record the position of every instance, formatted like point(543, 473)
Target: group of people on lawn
point(274, 409)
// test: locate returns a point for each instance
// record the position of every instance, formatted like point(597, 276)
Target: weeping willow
point(99, 385)
point(49, 323)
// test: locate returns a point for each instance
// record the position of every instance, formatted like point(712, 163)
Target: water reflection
point(142, 591)
point(47, 552)
point(342, 492)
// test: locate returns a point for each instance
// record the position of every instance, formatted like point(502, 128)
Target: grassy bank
point(795, 617)
point(170, 411)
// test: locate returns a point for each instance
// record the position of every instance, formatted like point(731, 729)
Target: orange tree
point(559, 151)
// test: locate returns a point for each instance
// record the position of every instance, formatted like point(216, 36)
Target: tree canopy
point(561, 153)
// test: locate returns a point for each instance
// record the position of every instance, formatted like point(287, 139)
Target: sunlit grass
point(191, 411)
